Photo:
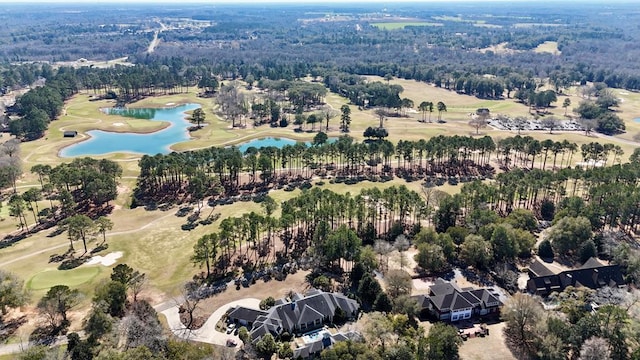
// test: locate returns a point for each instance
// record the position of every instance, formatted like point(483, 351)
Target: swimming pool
point(314, 336)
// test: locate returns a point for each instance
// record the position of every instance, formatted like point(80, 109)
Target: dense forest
point(587, 40)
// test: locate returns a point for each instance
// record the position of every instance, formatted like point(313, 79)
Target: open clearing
point(402, 25)
point(550, 47)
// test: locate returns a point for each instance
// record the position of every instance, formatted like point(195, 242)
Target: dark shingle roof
point(459, 302)
point(446, 296)
point(591, 274)
point(246, 314)
point(538, 269)
point(441, 288)
point(422, 300)
point(309, 314)
point(470, 297)
point(314, 305)
point(591, 263)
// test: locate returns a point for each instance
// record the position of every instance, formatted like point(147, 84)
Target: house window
point(454, 317)
point(318, 321)
point(303, 326)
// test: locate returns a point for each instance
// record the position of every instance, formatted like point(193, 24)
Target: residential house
point(446, 301)
point(314, 348)
point(592, 274)
point(300, 314)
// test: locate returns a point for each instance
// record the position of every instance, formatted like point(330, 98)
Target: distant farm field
point(402, 25)
point(550, 47)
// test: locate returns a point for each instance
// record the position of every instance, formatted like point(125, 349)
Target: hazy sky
point(252, 1)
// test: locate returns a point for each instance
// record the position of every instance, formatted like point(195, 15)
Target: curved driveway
point(207, 333)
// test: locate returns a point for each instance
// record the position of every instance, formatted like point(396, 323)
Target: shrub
point(545, 250)
point(547, 210)
point(267, 303)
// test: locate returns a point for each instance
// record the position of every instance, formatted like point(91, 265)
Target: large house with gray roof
point(446, 301)
point(592, 274)
point(300, 314)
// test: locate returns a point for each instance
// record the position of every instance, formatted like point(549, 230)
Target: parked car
point(230, 328)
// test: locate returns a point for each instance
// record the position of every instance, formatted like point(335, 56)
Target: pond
point(637, 119)
point(267, 141)
point(274, 141)
point(105, 142)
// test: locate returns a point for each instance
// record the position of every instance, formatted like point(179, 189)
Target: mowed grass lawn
point(72, 278)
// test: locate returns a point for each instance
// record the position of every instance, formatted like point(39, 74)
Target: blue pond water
point(637, 119)
point(268, 141)
point(104, 142)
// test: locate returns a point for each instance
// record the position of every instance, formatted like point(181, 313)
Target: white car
point(230, 328)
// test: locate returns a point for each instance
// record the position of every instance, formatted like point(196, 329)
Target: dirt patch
point(196, 323)
point(122, 189)
point(421, 286)
point(261, 290)
point(492, 346)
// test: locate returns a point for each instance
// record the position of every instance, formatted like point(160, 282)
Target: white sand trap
point(624, 93)
point(591, 162)
point(106, 260)
point(118, 124)
point(169, 104)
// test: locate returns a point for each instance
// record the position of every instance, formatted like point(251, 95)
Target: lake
point(105, 142)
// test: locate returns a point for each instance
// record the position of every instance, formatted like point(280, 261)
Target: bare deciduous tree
point(595, 348)
point(328, 113)
point(522, 314)
point(383, 248)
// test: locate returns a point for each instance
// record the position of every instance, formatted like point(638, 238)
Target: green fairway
point(402, 25)
point(72, 278)
point(4, 210)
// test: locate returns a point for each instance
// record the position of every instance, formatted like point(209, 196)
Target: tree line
point(195, 175)
point(83, 188)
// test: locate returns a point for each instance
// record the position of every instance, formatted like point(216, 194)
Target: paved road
point(8, 349)
point(207, 333)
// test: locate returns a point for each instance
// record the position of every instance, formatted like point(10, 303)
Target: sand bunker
point(118, 124)
point(169, 104)
point(106, 260)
